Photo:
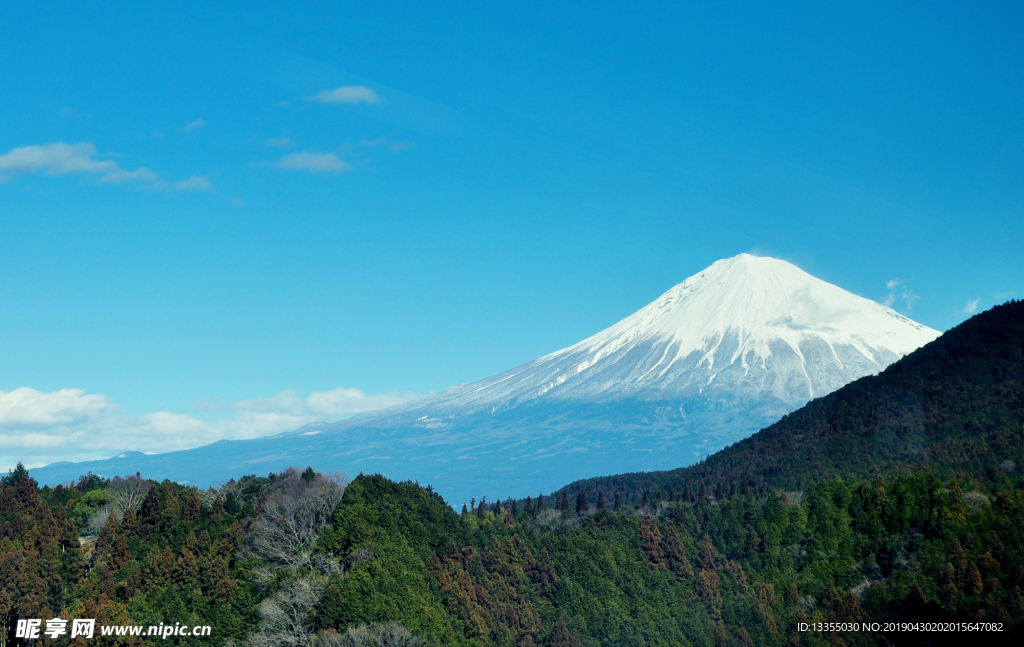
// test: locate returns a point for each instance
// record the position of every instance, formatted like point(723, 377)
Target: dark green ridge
point(954, 407)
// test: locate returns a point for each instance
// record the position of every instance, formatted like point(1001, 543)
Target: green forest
point(895, 499)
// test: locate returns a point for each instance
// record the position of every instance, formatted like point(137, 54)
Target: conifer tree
point(217, 510)
point(582, 505)
point(562, 636)
point(192, 507)
point(617, 503)
point(600, 500)
point(650, 542)
point(675, 555)
point(563, 502)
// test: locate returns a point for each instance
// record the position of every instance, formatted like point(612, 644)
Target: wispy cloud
point(281, 142)
point(38, 428)
point(382, 142)
point(313, 162)
point(970, 307)
point(194, 183)
point(346, 94)
point(195, 125)
point(906, 296)
point(60, 158)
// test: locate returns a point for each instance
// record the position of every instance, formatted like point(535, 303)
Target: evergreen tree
point(617, 503)
point(562, 636)
point(582, 505)
point(192, 507)
point(563, 501)
point(600, 500)
point(218, 510)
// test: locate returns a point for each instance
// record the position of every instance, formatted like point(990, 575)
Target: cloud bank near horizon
point(39, 428)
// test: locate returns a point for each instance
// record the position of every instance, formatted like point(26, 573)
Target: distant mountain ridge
point(717, 357)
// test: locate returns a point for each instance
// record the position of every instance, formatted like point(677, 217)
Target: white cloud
point(970, 307)
point(26, 406)
point(195, 125)
point(194, 183)
point(280, 142)
point(905, 295)
point(314, 162)
point(60, 158)
point(39, 428)
point(909, 298)
point(325, 404)
point(346, 94)
point(141, 174)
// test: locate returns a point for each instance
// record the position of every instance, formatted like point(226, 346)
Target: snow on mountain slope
point(748, 327)
point(719, 356)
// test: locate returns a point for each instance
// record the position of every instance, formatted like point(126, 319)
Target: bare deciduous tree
point(128, 493)
point(285, 617)
point(290, 523)
point(390, 634)
point(98, 520)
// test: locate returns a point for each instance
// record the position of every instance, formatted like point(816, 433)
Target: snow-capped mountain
point(717, 357)
point(747, 327)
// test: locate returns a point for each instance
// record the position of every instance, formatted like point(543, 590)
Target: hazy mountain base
point(512, 453)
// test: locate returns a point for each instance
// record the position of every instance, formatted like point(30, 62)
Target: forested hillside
point(395, 565)
point(954, 407)
point(895, 499)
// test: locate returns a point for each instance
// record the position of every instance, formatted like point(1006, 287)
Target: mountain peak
point(726, 352)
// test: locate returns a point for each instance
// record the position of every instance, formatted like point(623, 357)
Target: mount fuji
point(724, 353)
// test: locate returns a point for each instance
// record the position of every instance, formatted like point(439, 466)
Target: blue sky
point(227, 219)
